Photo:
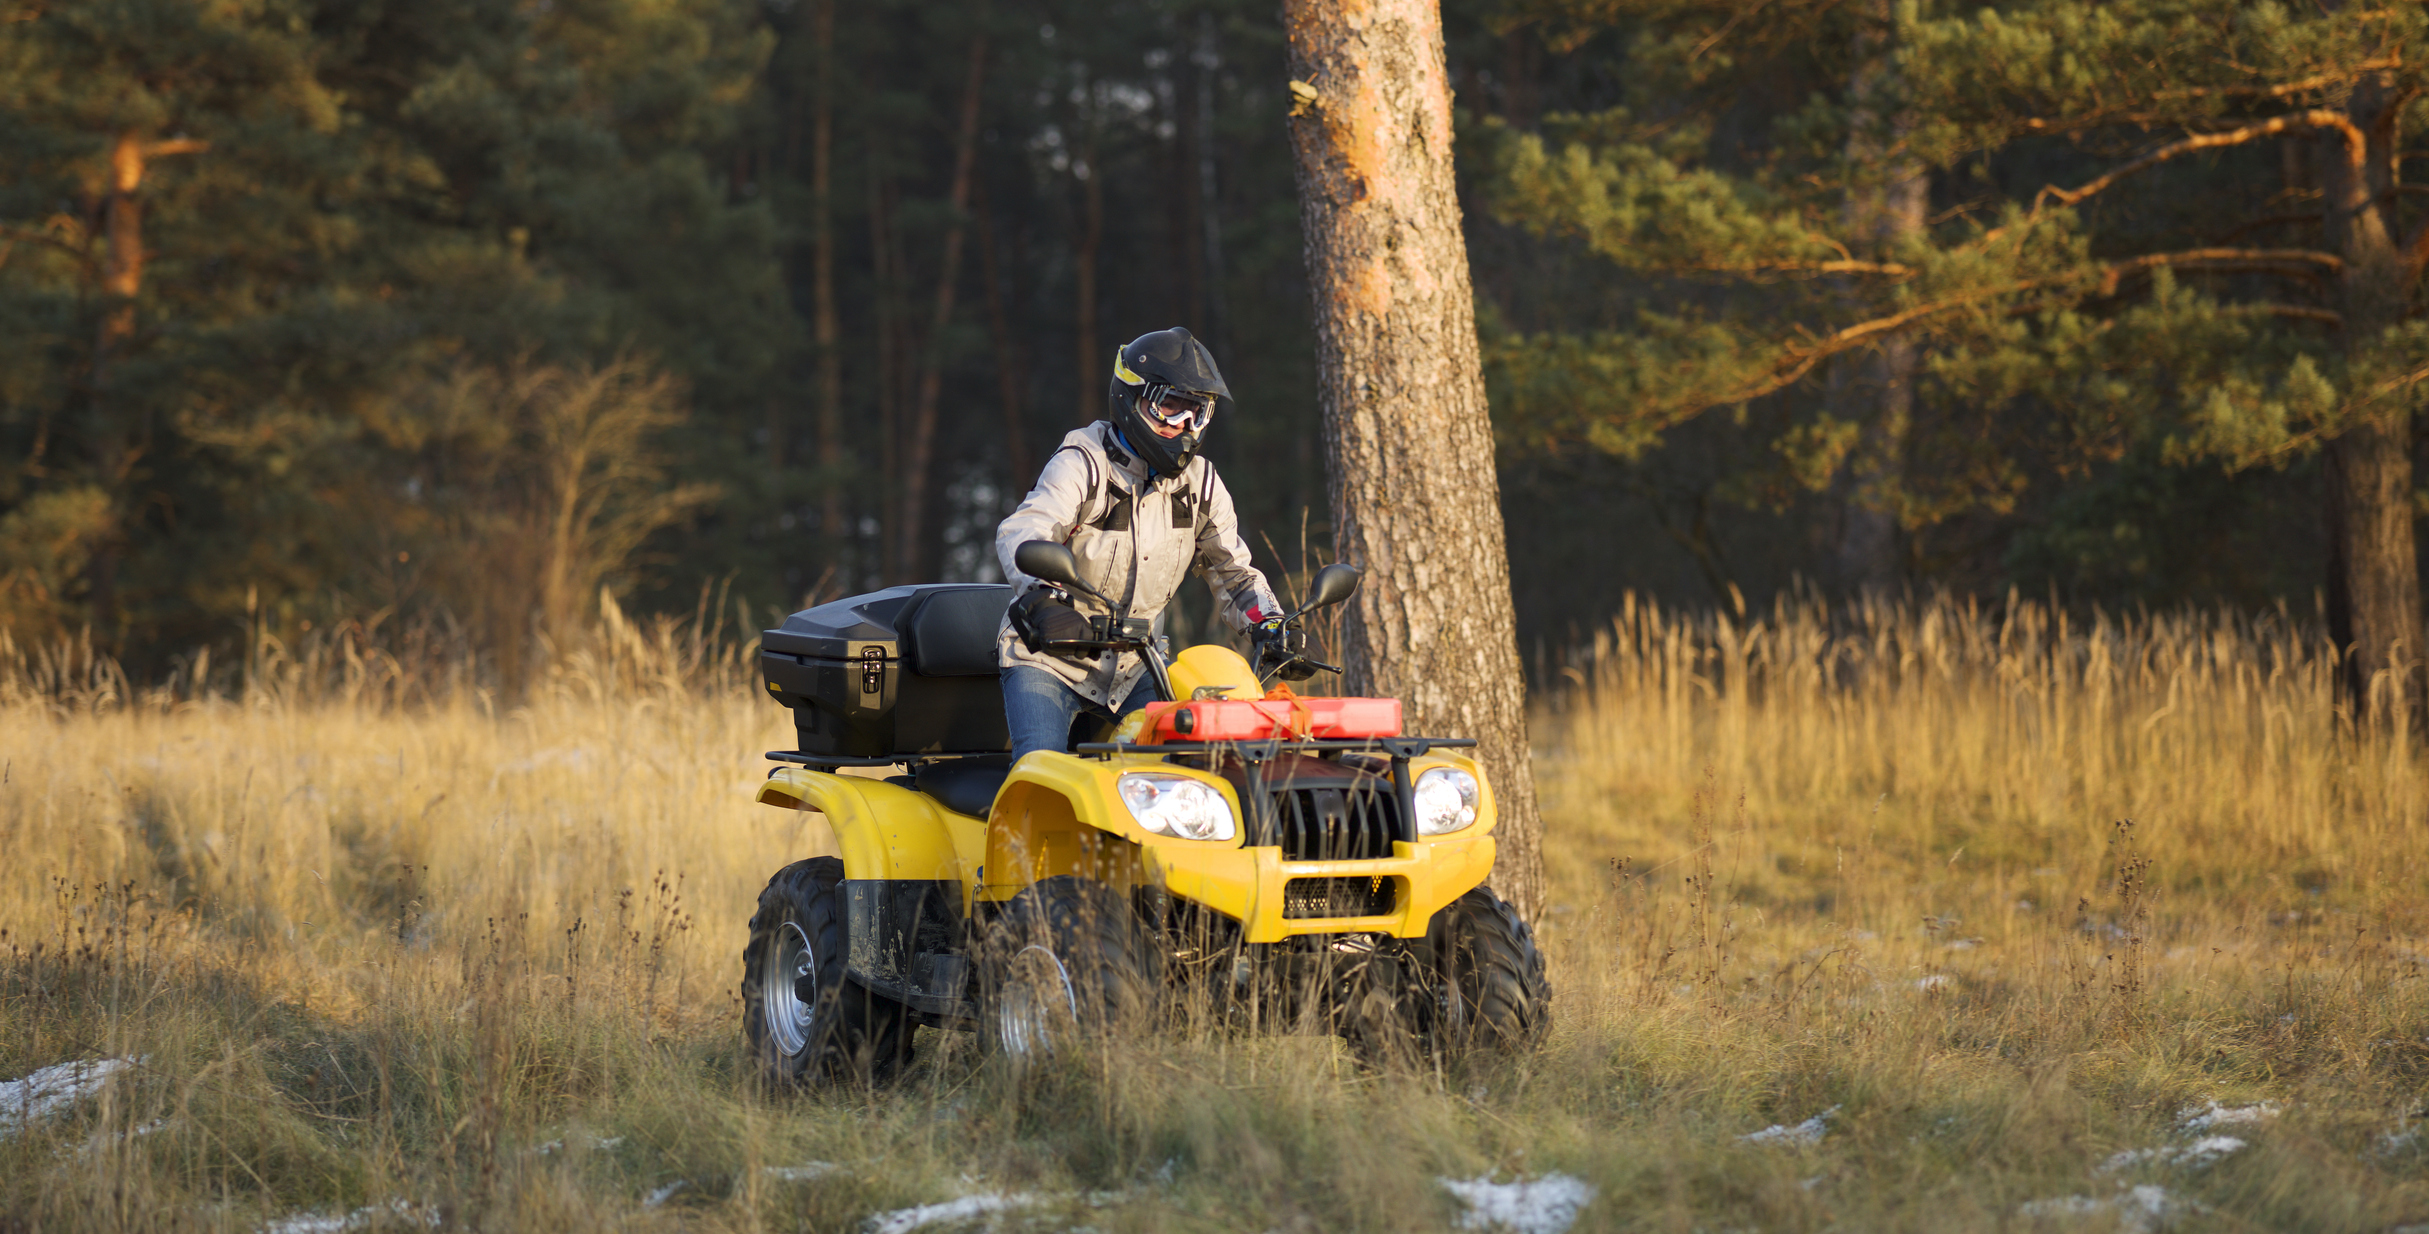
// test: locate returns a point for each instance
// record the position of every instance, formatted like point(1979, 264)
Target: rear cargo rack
point(884, 760)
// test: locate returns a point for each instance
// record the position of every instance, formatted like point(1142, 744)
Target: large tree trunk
point(118, 443)
point(1887, 194)
point(2369, 469)
point(1408, 443)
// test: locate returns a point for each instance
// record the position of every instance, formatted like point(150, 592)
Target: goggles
point(1174, 408)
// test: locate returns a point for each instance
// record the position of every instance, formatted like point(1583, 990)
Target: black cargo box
point(907, 670)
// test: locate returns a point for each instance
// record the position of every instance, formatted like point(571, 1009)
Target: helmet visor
point(1186, 410)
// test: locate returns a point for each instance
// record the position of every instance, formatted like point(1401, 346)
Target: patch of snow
point(1547, 1205)
point(595, 1145)
point(665, 1193)
point(904, 1220)
point(802, 1173)
point(1802, 1135)
point(2139, 1210)
point(333, 1223)
point(2205, 1151)
point(2198, 1118)
point(52, 1090)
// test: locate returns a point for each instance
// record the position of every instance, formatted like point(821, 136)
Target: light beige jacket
point(1135, 540)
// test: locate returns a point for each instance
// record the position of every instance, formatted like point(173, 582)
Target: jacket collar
point(1133, 470)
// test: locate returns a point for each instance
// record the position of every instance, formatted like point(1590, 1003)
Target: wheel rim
point(1035, 1004)
point(790, 961)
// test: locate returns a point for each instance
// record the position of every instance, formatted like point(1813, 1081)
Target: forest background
point(445, 315)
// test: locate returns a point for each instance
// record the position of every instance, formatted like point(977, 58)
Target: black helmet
point(1165, 377)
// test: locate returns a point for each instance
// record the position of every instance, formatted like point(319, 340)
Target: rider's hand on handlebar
point(1046, 616)
point(1277, 644)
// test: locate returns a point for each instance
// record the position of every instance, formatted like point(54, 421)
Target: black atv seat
point(952, 634)
point(965, 785)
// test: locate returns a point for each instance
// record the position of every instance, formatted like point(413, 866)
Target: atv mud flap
point(1273, 899)
point(904, 938)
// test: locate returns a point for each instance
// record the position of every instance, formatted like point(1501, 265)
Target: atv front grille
point(1339, 897)
point(1345, 823)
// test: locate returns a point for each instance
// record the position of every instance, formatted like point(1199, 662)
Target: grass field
point(1975, 906)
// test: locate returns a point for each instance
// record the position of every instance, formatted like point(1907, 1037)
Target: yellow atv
point(1285, 859)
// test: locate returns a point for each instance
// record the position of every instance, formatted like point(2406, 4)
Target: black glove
point(1279, 644)
point(1044, 615)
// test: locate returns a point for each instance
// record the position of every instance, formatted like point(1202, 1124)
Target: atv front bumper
point(1256, 886)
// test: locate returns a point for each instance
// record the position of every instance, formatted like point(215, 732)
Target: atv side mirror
point(1333, 584)
point(1050, 562)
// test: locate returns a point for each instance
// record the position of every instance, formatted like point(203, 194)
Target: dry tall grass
point(379, 938)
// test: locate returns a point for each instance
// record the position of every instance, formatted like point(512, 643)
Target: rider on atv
point(1140, 509)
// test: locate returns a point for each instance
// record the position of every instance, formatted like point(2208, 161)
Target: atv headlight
point(1177, 806)
point(1446, 801)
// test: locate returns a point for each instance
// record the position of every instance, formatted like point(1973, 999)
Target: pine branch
point(2356, 150)
point(2298, 262)
point(2391, 385)
point(1799, 361)
point(39, 236)
point(2297, 312)
point(2283, 89)
point(1796, 362)
point(1889, 268)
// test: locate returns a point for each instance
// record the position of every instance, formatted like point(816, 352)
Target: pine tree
point(2165, 224)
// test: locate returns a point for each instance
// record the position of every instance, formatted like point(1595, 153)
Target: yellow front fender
point(1059, 814)
point(886, 831)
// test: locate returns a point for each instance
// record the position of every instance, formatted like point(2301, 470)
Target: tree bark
point(922, 444)
point(1408, 441)
point(1093, 370)
point(826, 324)
point(115, 436)
point(889, 431)
point(1888, 191)
point(1208, 61)
point(1008, 376)
point(2369, 465)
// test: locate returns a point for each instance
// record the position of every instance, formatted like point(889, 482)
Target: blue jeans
point(1041, 711)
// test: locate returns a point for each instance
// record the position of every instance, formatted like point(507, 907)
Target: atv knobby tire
point(805, 1023)
point(1476, 982)
point(1069, 958)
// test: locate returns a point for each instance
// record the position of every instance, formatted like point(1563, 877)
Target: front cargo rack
point(1259, 758)
point(1267, 748)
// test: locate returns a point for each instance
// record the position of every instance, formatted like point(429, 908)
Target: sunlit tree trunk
point(2369, 465)
point(1408, 443)
point(117, 443)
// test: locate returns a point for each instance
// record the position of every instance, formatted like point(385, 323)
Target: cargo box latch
point(872, 669)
